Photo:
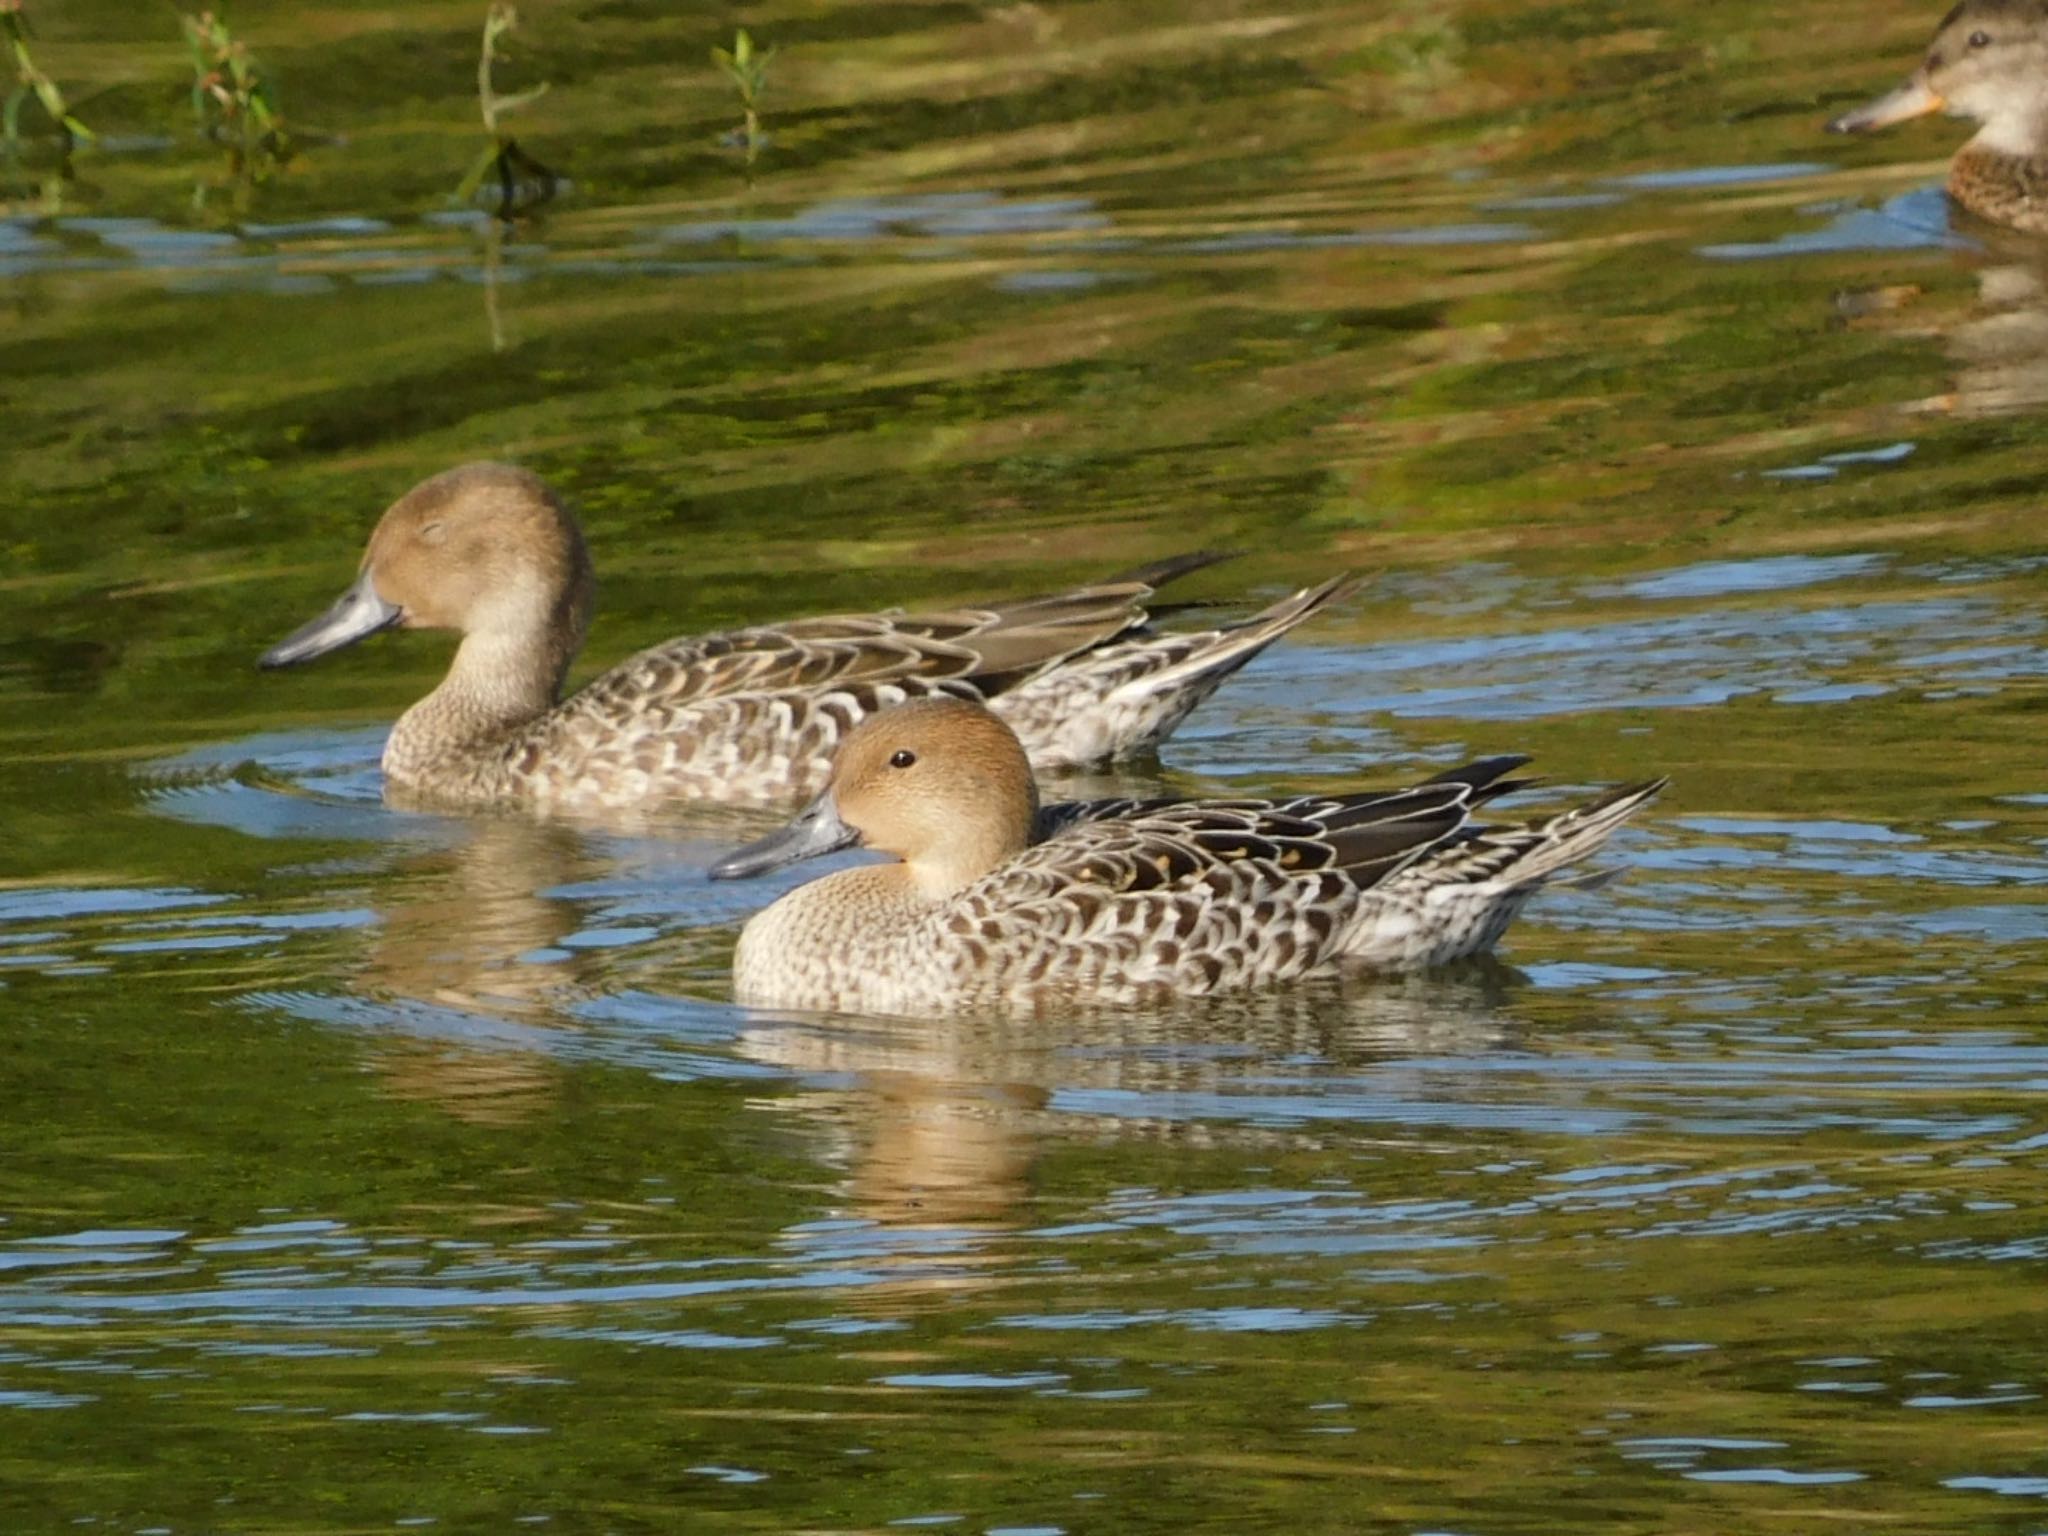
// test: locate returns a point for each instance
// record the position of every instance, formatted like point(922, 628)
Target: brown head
point(485, 549)
point(1989, 63)
point(941, 784)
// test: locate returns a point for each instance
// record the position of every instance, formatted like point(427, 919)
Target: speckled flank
point(751, 715)
point(2007, 189)
point(1125, 901)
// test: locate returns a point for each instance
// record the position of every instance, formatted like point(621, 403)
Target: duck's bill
point(1913, 99)
point(816, 830)
point(357, 612)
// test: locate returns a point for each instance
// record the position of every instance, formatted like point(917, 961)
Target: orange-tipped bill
point(1916, 98)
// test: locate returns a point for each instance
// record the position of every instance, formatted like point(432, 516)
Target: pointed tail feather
point(1124, 699)
point(1458, 900)
point(1196, 663)
point(1498, 861)
point(1576, 834)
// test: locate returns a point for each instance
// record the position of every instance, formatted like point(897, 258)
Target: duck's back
point(746, 716)
point(754, 715)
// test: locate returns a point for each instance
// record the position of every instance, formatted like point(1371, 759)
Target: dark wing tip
point(1160, 572)
point(1483, 773)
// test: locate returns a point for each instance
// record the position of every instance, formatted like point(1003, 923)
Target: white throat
point(2017, 128)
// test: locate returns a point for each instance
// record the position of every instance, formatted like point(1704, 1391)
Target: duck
point(745, 716)
point(994, 900)
point(1989, 63)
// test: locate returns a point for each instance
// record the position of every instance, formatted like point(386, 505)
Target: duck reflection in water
point(470, 945)
point(939, 1125)
point(939, 1131)
point(1998, 348)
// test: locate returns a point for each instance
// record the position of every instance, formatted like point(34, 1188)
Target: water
point(368, 1170)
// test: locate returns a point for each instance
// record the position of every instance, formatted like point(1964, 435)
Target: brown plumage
point(995, 900)
point(747, 715)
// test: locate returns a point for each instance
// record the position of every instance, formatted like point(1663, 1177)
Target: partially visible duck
point(1989, 63)
point(994, 900)
point(749, 715)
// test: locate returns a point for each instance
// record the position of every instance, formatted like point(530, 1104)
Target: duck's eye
point(902, 759)
point(433, 533)
point(1980, 39)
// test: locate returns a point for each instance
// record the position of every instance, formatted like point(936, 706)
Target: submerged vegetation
point(31, 82)
point(234, 101)
point(747, 68)
point(521, 182)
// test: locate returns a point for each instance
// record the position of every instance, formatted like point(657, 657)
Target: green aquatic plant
point(747, 68)
point(523, 182)
point(233, 98)
point(31, 82)
point(500, 19)
point(1414, 62)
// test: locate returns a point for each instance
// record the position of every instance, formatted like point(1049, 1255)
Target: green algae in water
point(366, 1168)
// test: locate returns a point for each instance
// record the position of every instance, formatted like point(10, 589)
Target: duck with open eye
point(1988, 63)
point(993, 899)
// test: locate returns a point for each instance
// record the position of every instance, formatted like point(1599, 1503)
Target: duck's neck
point(943, 872)
point(2020, 133)
point(498, 683)
point(1006, 823)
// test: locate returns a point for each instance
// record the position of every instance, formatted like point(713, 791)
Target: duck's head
point(1989, 63)
point(941, 784)
point(485, 549)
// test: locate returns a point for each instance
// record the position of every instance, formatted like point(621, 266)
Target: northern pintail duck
point(997, 900)
point(1988, 62)
point(748, 715)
